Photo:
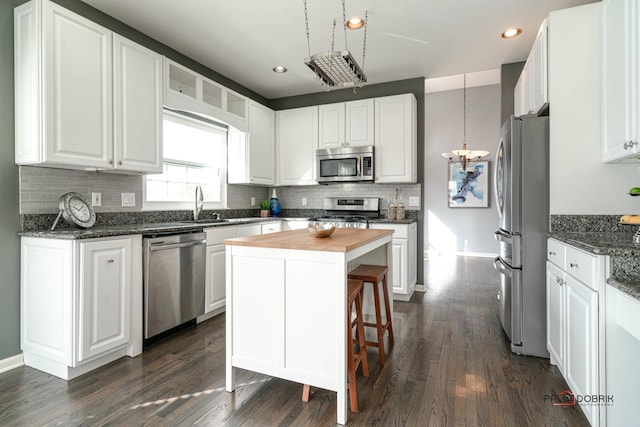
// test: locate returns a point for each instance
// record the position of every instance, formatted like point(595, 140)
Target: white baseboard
point(420, 288)
point(11, 363)
point(428, 253)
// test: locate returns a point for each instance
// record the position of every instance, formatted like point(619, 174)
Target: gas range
point(349, 212)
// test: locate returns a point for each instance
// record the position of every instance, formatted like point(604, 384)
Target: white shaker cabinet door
point(395, 139)
point(138, 98)
point(104, 295)
point(619, 58)
point(297, 131)
point(78, 90)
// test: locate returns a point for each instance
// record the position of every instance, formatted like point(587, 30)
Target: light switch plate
point(128, 199)
point(96, 199)
point(253, 201)
point(414, 201)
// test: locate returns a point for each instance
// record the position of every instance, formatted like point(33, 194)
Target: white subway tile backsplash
point(41, 188)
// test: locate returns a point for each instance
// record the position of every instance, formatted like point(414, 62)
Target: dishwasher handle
point(162, 246)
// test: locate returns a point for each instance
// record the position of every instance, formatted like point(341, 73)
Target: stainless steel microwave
point(345, 164)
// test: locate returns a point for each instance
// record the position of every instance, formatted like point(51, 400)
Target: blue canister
point(274, 207)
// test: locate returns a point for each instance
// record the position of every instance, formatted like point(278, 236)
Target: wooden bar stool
point(375, 274)
point(354, 360)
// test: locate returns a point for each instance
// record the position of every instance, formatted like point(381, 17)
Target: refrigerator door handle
point(501, 236)
point(501, 267)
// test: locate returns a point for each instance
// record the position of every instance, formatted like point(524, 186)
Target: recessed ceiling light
point(355, 23)
point(510, 33)
point(279, 69)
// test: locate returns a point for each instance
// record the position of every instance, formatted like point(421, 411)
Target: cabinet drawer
point(555, 252)
point(271, 227)
point(216, 236)
point(581, 265)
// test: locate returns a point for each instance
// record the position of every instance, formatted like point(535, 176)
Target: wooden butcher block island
point(287, 301)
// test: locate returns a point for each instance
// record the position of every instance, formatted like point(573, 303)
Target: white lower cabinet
point(214, 291)
point(404, 251)
point(575, 322)
point(81, 302)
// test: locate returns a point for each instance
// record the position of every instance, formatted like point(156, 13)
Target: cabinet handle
point(552, 253)
point(119, 162)
point(573, 265)
point(110, 161)
point(110, 261)
point(630, 144)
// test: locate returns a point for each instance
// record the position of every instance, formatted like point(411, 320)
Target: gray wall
point(447, 228)
point(9, 218)
point(509, 74)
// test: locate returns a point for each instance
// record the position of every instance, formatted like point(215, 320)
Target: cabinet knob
point(573, 265)
point(110, 261)
point(110, 161)
point(119, 162)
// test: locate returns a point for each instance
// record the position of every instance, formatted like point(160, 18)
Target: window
point(195, 153)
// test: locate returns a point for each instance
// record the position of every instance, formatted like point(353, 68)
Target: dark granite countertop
point(393, 221)
point(630, 288)
point(145, 228)
point(162, 227)
point(623, 252)
point(600, 243)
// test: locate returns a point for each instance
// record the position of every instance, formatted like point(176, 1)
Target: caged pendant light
point(465, 159)
point(334, 68)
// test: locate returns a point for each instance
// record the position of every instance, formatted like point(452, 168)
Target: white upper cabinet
point(620, 91)
point(65, 100)
point(297, 131)
point(251, 156)
point(395, 139)
point(531, 91)
point(187, 90)
point(138, 107)
point(346, 124)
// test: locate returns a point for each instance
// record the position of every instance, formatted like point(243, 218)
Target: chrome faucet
point(199, 202)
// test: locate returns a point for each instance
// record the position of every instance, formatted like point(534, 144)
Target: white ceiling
point(244, 39)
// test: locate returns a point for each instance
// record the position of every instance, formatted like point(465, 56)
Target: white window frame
point(166, 205)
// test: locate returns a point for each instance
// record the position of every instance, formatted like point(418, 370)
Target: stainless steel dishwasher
point(174, 274)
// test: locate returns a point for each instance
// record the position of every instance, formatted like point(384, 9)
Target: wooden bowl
point(319, 229)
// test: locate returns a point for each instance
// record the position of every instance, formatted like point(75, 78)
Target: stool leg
point(379, 330)
point(361, 341)
point(387, 308)
point(306, 391)
point(351, 383)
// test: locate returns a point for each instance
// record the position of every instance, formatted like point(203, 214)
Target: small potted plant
point(264, 208)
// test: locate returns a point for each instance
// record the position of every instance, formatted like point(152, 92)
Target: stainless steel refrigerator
point(521, 184)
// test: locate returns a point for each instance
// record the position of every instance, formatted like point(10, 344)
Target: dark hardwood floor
point(451, 366)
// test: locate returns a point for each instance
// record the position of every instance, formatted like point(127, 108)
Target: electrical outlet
point(96, 199)
point(414, 201)
point(466, 243)
point(304, 201)
point(128, 199)
point(253, 201)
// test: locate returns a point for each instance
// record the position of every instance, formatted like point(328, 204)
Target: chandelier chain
point(464, 109)
point(306, 23)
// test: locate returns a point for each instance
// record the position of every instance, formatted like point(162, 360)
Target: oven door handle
point(501, 267)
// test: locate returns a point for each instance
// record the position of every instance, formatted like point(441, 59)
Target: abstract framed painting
point(470, 188)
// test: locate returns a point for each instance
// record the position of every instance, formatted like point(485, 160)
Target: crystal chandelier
point(465, 159)
point(337, 69)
